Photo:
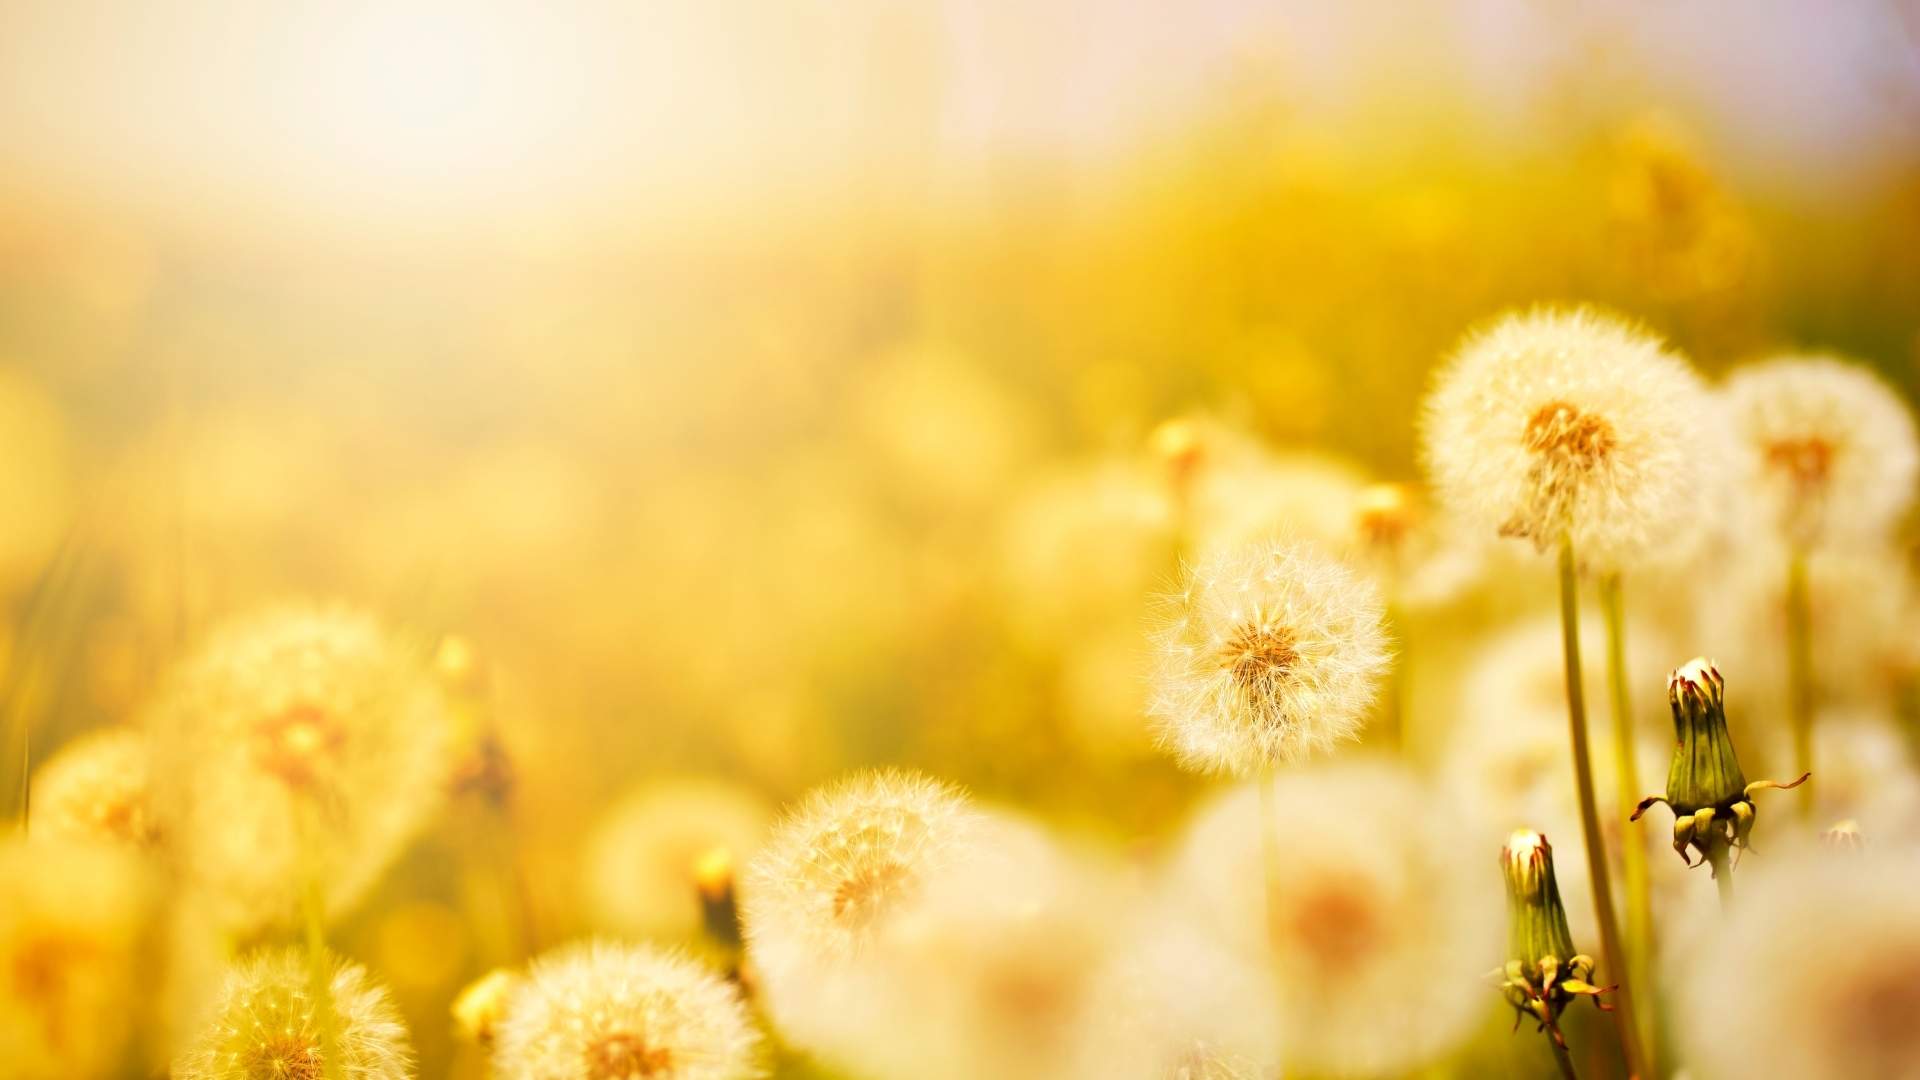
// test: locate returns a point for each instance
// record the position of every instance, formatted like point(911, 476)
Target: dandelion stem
point(1563, 1058)
point(319, 971)
point(1800, 667)
point(1270, 859)
point(1722, 870)
point(1623, 1013)
point(1626, 770)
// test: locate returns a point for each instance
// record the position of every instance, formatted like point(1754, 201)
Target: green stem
point(1800, 669)
point(320, 974)
point(1624, 1017)
point(1722, 869)
point(1269, 859)
point(1626, 770)
point(1562, 1058)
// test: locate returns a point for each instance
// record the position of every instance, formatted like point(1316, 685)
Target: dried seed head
point(266, 1026)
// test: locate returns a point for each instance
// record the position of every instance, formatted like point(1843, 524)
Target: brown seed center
point(1805, 461)
point(864, 894)
point(625, 1056)
point(283, 1056)
point(1335, 925)
point(1569, 436)
point(296, 743)
point(1257, 652)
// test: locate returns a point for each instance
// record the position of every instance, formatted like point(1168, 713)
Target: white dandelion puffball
point(264, 1026)
point(1825, 450)
point(602, 1011)
point(97, 788)
point(1273, 653)
point(1812, 972)
point(836, 875)
point(1574, 424)
point(1380, 931)
point(297, 745)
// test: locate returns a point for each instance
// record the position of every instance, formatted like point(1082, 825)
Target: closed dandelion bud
point(719, 911)
point(479, 1008)
point(1543, 973)
point(1711, 800)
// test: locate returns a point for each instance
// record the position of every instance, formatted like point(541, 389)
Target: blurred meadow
point(718, 398)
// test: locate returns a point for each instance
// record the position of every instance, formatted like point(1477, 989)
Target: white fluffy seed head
point(1380, 931)
point(835, 876)
point(1812, 973)
point(1572, 423)
point(1271, 654)
point(297, 744)
point(96, 788)
point(1824, 450)
point(602, 1011)
point(265, 1026)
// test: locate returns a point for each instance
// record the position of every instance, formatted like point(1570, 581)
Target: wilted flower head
point(299, 744)
point(1812, 975)
point(1712, 802)
point(1272, 653)
point(96, 788)
point(1570, 423)
point(1379, 933)
point(1543, 972)
point(72, 928)
point(265, 1025)
point(640, 862)
point(838, 872)
point(603, 1011)
point(1825, 449)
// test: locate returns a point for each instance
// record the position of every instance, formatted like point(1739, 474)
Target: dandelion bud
point(479, 1008)
point(1711, 800)
point(1177, 445)
point(713, 881)
point(1384, 514)
point(1543, 973)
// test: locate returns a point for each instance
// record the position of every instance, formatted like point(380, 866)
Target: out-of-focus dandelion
point(73, 919)
point(479, 1006)
point(837, 873)
point(1577, 431)
point(640, 863)
point(1377, 933)
point(1711, 800)
point(1543, 972)
point(601, 1011)
point(299, 748)
point(266, 1023)
point(1812, 982)
point(97, 788)
point(1843, 835)
point(1271, 654)
point(1829, 454)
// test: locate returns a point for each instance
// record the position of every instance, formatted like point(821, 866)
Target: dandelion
point(1543, 972)
point(601, 1011)
point(1816, 983)
point(298, 749)
point(838, 873)
point(96, 788)
point(1377, 934)
point(73, 918)
point(640, 862)
point(479, 1007)
point(266, 1024)
point(1272, 654)
point(1712, 802)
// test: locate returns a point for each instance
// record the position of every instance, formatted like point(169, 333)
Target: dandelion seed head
point(265, 1025)
point(641, 862)
point(1824, 450)
point(97, 788)
point(1575, 423)
point(73, 919)
point(1378, 934)
point(1812, 982)
point(1271, 654)
point(603, 1011)
point(300, 742)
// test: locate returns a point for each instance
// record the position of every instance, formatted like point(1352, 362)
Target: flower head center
point(1806, 461)
point(626, 1056)
point(866, 892)
point(296, 743)
point(284, 1056)
point(1335, 925)
point(1567, 436)
point(1258, 652)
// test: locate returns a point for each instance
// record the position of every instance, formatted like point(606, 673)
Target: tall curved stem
point(1626, 771)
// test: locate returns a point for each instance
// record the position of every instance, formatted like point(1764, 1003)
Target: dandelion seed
point(1553, 425)
point(602, 1011)
point(838, 874)
point(97, 789)
point(73, 919)
point(300, 745)
point(1378, 934)
point(1272, 654)
point(1825, 451)
point(265, 1025)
